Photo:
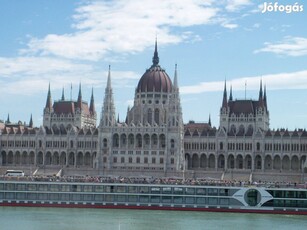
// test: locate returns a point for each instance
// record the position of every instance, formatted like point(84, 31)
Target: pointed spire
point(175, 78)
point(109, 78)
point(79, 102)
point(8, 119)
point(209, 122)
point(63, 97)
point(92, 104)
point(260, 91)
point(118, 118)
point(49, 100)
point(224, 104)
point(261, 102)
point(230, 94)
point(31, 122)
point(108, 117)
point(264, 97)
point(155, 59)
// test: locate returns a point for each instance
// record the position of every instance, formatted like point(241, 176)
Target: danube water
point(21, 218)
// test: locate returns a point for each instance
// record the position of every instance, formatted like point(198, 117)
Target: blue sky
point(67, 42)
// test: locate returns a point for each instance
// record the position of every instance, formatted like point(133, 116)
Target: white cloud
point(230, 25)
point(31, 75)
point(294, 80)
point(38, 66)
point(104, 28)
point(289, 46)
point(235, 5)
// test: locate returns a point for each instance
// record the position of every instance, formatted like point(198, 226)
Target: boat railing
point(152, 180)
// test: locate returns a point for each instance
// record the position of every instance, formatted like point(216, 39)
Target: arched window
point(149, 116)
point(221, 146)
point(172, 143)
point(157, 114)
point(258, 146)
point(105, 143)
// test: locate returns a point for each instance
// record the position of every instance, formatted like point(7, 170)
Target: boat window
point(121, 189)
point(43, 196)
point(43, 187)
point(144, 189)
point(289, 194)
point(21, 196)
point(166, 199)
point(109, 198)
point(178, 199)
point(88, 188)
point(54, 187)
point(9, 196)
point(32, 196)
point(279, 203)
point(201, 200)
point(224, 201)
point(291, 203)
point(54, 196)
point(212, 201)
point(110, 188)
point(155, 199)
point(201, 191)
point(121, 198)
point(65, 188)
point(98, 197)
point(190, 191)
point(178, 190)
point(224, 192)
point(132, 198)
point(167, 190)
point(88, 197)
point(155, 190)
point(76, 197)
point(76, 188)
point(64, 196)
point(99, 188)
point(301, 194)
point(1, 186)
point(212, 191)
point(10, 187)
point(132, 189)
point(189, 200)
point(144, 199)
point(32, 187)
point(21, 187)
point(302, 204)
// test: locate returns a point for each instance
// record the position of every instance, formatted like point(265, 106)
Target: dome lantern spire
point(155, 59)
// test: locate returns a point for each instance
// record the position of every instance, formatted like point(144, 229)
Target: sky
point(69, 42)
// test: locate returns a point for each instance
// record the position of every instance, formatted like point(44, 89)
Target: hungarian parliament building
point(153, 139)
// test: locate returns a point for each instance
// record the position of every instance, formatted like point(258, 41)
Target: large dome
point(155, 79)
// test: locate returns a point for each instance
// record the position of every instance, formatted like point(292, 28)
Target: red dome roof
point(155, 79)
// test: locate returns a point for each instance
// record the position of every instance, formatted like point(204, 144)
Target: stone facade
point(153, 138)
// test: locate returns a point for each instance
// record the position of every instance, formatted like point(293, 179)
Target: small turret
point(224, 104)
point(63, 96)
point(31, 122)
point(230, 94)
point(92, 103)
point(49, 100)
point(79, 102)
point(8, 119)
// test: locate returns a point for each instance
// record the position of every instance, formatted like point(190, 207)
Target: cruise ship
point(170, 194)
